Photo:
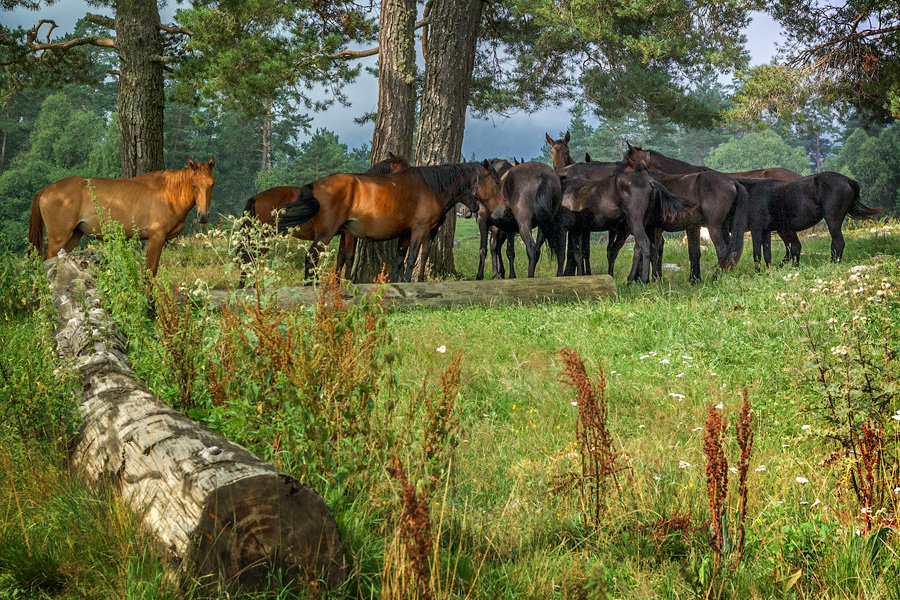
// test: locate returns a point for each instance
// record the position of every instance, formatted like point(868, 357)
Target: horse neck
point(673, 165)
point(178, 190)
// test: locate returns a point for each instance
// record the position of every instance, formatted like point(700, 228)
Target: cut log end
point(252, 525)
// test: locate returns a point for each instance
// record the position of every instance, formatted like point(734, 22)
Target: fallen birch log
point(435, 294)
point(217, 508)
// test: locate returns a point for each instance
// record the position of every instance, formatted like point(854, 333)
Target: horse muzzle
point(203, 217)
point(498, 213)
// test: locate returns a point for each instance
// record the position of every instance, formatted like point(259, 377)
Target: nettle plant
point(851, 364)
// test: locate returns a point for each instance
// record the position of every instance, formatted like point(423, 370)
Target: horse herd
point(644, 194)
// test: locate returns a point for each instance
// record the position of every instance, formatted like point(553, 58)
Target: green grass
point(669, 350)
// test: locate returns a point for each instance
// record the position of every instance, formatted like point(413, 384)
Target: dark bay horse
point(262, 207)
point(798, 204)
point(409, 205)
point(723, 204)
point(527, 195)
point(673, 165)
point(495, 168)
point(621, 203)
point(152, 206)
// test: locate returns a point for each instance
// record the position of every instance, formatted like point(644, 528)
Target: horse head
point(488, 193)
point(636, 154)
point(398, 163)
point(202, 181)
point(559, 151)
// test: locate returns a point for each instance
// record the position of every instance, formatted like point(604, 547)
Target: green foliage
point(56, 149)
point(624, 57)
point(874, 161)
point(319, 156)
point(262, 57)
point(757, 150)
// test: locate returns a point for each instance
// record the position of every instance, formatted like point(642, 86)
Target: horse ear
point(628, 144)
point(515, 161)
point(587, 157)
point(567, 138)
point(549, 139)
point(486, 165)
point(191, 163)
point(212, 163)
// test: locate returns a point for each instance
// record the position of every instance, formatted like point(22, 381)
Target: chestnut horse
point(410, 205)
point(262, 207)
point(152, 206)
point(495, 168)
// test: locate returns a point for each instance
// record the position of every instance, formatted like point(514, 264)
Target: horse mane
point(446, 180)
point(177, 187)
point(380, 168)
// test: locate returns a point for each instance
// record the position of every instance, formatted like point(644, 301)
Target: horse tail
point(301, 210)
point(36, 226)
point(669, 204)
point(741, 215)
point(858, 209)
point(547, 201)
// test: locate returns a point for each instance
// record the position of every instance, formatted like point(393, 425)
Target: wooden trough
point(219, 510)
point(436, 294)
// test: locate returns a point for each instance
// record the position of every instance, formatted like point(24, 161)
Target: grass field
point(814, 347)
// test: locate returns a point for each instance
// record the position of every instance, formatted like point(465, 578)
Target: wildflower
point(685, 357)
point(802, 480)
point(696, 429)
point(720, 406)
point(679, 396)
point(760, 468)
point(805, 427)
point(866, 510)
point(640, 426)
point(643, 356)
point(573, 403)
point(817, 502)
point(680, 375)
point(733, 469)
point(683, 464)
point(664, 361)
point(442, 349)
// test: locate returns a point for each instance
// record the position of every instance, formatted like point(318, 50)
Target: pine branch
point(353, 54)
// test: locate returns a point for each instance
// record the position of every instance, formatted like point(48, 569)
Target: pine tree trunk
point(141, 98)
point(396, 114)
point(449, 60)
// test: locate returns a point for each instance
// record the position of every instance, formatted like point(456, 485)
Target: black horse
point(723, 204)
point(621, 203)
point(792, 206)
point(527, 195)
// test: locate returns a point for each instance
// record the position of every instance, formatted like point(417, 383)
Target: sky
point(521, 134)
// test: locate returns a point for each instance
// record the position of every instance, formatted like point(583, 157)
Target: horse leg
point(785, 236)
point(426, 252)
point(757, 236)
point(350, 257)
point(793, 242)
point(402, 248)
point(614, 244)
point(570, 266)
point(837, 239)
point(483, 248)
point(414, 245)
point(73, 241)
point(641, 247)
point(586, 251)
point(694, 253)
point(530, 246)
point(154, 250)
point(656, 253)
point(511, 254)
point(576, 240)
point(766, 248)
point(498, 271)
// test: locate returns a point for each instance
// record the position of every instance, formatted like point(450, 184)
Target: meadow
point(457, 421)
